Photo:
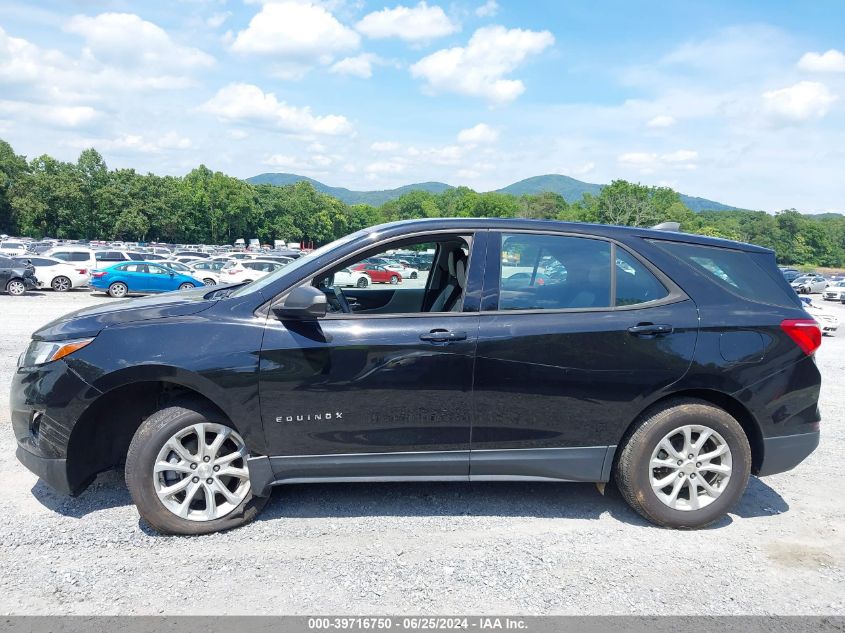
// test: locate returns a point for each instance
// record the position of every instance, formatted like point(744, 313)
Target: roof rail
point(667, 226)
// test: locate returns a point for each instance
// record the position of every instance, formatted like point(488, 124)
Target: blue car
point(140, 277)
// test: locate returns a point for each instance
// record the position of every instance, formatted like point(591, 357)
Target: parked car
point(835, 291)
point(206, 269)
point(378, 274)
point(107, 256)
point(127, 278)
point(346, 277)
point(809, 283)
point(10, 248)
point(405, 270)
point(77, 255)
point(16, 277)
point(54, 273)
point(246, 271)
point(677, 372)
point(827, 320)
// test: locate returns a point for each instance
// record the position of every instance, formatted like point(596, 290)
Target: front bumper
point(52, 471)
point(786, 452)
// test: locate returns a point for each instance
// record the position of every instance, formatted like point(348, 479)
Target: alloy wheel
point(16, 287)
point(61, 284)
point(690, 467)
point(200, 473)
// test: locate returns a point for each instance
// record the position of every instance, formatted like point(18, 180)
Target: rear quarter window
point(738, 272)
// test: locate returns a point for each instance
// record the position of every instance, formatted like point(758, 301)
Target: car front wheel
point(362, 282)
point(186, 286)
point(208, 281)
point(187, 474)
point(685, 465)
point(394, 280)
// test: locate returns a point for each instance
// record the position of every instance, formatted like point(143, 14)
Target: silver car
point(810, 283)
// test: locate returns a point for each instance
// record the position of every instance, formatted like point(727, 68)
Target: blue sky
point(740, 102)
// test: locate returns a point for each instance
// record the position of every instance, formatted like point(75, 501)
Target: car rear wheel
point(413, 275)
point(187, 474)
point(16, 287)
point(394, 280)
point(685, 465)
point(118, 290)
point(362, 282)
point(186, 286)
point(208, 281)
point(61, 284)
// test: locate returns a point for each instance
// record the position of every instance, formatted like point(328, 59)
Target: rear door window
point(635, 283)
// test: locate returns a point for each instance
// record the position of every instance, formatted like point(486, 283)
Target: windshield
point(296, 264)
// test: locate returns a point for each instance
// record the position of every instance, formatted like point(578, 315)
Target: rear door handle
point(443, 336)
point(650, 329)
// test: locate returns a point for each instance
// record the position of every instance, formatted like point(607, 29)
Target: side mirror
point(304, 302)
point(172, 274)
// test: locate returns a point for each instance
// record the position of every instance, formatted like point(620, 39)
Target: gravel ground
point(507, 548)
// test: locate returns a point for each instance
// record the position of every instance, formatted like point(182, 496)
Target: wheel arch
point(101, 436)
point(717, 398)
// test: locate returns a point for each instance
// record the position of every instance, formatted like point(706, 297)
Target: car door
point(384, 394)
point(568, 352)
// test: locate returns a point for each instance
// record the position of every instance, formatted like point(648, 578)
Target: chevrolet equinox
point(675, 365)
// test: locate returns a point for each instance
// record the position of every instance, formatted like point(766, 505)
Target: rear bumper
point(786, 452)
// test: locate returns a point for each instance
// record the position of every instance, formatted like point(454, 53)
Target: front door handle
point(650, 329)
point(443, 336)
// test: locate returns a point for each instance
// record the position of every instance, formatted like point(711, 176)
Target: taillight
point(97, 274)
point(805, 332)
point(82, 271)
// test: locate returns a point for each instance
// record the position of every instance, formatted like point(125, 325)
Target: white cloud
point(281, 160)
point(481, 133)
point(48, 115)
point(138, 143)
point(661, 121)
point(247, 103)
point(649, 162)
point(358, 66)
point(124, 39)
point(488, 9)
point(413, 24)
point(315, 163)
point(804, 101)
point(833, 61)
point(295, 30)
point(216, 20)
point(582, 170)
point(384, 146)
point(385, 167)
point(479, 69)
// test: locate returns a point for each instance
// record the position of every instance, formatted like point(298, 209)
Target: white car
point(407, 272)
point(246, 271)
point(835, 291)
point(207, 270)
point(76, 255)
point(346, 277)
point(10, 248)
point(826, 319)
point(59, 275)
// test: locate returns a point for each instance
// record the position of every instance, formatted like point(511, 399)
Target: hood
point(90, 321)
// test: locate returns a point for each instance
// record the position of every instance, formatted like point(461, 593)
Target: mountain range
point(570, 188)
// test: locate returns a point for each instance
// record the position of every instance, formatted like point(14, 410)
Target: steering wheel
point(337, 301)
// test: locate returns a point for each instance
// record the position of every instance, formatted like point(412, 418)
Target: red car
point(379, 274)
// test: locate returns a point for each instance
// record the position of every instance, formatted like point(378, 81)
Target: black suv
point(16, 277)
point(674, 364)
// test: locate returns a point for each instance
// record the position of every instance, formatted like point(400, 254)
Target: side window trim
point(492, 281)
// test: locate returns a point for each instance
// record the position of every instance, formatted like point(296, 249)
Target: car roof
point(605, 230)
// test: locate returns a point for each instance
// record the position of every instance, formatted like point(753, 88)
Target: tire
point(145, 482)
point(61, 284)
point(362, 283)
point(413, 275)
point(209, 282)
point(394, 280)
point(16, 287)
point(247, 281)
point(634, 473)
point(118, 290)
point(186, 286)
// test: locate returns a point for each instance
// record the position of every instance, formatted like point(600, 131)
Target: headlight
point(41, 352)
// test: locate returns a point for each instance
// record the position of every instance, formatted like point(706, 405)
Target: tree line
point(86, 200)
